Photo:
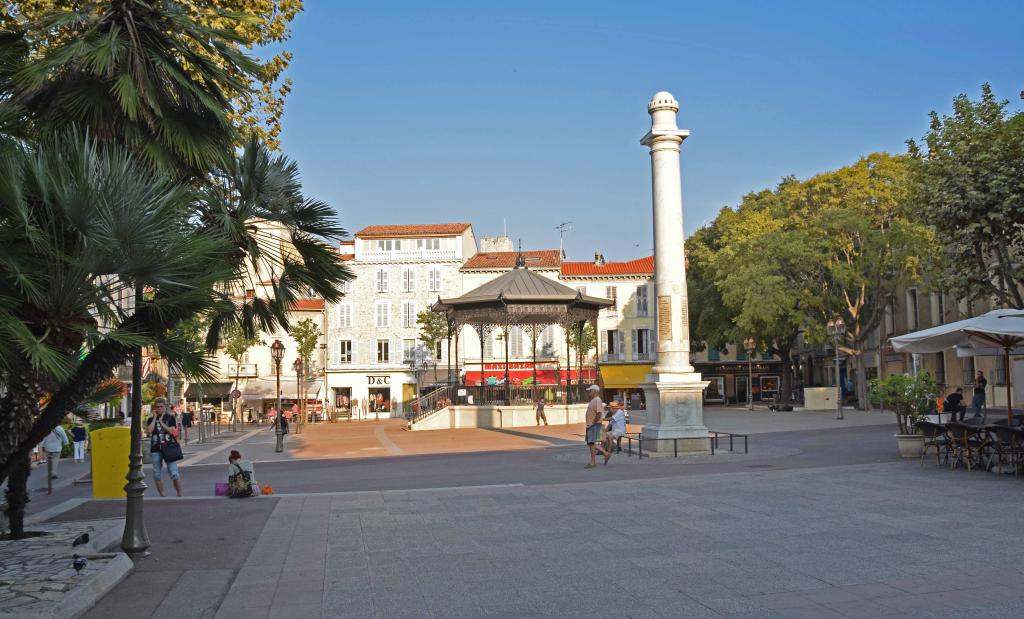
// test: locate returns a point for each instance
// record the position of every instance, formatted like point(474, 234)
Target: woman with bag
point(241, 477)
point(164, 446)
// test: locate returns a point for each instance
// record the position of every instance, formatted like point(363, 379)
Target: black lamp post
point(277, 354)
point(297, 366)
point(135, 539)
point(750, 346)
point(837, 329)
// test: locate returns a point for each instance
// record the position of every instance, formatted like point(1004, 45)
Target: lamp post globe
point(277, 354)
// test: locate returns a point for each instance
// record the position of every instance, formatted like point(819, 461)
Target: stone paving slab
point(37, 577)
point(860, 541)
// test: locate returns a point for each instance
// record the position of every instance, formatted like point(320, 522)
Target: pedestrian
point(273, 416)
point(164, 446)
point(978, 401)
point(52, 445)
point(540, 411)
point(616, 428)
point(79, 436)
point(954, 404)
point(241, 477)
point(187, 419)
point(595, 412)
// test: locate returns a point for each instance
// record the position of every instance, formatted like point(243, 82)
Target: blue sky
point(530, 113)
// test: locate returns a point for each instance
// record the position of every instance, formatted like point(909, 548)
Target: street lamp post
point(297, 366)
point(135, 539)
point(750, 347)
point(277, 354)
point(837, 329)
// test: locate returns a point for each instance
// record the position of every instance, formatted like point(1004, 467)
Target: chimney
point(598, 259)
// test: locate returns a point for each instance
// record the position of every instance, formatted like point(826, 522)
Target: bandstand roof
point(524, 297)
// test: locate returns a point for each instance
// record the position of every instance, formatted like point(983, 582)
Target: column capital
point(664, 135)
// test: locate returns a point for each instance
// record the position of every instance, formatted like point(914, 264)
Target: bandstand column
point(674, 392)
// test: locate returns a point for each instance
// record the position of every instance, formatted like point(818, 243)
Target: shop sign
point(378, 380)
point(740, 367)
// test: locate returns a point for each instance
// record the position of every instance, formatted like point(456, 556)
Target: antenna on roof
point(520, 260)
point(563, 228)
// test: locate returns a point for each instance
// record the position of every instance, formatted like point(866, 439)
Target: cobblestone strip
point(37, 575)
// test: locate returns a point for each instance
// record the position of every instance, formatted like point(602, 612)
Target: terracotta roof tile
point(347, 257)
point(308, 305)
point(538, 259)
point(412, 230)
point(640, 266)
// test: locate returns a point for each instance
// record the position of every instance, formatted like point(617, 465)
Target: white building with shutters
point(372, 336)
point(626, 345)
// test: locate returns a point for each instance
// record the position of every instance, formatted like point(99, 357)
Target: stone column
point(674, 392)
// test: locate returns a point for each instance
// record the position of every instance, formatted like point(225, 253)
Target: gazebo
point(523, 298)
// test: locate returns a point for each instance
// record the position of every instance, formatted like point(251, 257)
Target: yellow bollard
point(110, 448)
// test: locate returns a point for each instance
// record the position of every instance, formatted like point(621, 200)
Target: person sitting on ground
point(241, 477)
point(955, 404)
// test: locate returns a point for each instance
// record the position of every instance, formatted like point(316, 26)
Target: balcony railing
point(408, 255)
point(242, 370)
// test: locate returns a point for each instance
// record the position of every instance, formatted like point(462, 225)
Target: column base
point(675, 409)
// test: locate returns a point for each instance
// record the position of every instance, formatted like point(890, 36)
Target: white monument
point(674, 392)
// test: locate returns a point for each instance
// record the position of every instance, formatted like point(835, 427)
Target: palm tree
point(80, 228)
point(141, 73)
point(276, 236)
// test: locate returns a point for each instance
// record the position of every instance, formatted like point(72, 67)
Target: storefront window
point(380, 400)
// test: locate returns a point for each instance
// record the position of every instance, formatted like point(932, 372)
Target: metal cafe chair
point(935, 437)
point(966, 444)
point(1008, 444)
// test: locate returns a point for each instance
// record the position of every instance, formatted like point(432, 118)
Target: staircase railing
point(431, 402)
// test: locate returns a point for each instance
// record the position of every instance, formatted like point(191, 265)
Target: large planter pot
point(911, 445)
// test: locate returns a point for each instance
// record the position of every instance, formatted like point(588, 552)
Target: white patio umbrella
point(999, 330)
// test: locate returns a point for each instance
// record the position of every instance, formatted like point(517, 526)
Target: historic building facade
point(374, 355)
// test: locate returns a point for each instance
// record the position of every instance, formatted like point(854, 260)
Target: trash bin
point(110, 449)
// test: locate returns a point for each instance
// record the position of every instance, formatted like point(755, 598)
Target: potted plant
point(911, 398)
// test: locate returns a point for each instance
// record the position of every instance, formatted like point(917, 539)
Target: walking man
point(540, 411)
point(978, 401)
point(595, 416)
point(52, 445)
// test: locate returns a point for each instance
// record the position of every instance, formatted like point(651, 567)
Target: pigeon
point(81, 539)
point(79, 563)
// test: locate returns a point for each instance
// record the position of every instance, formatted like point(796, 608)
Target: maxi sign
point(378, 380)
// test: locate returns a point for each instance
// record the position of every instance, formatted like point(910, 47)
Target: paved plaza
point(782, 536)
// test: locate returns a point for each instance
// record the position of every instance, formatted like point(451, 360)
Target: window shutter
point(620, 344)
point(636, 338)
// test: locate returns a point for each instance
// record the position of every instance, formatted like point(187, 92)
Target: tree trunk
point(862, 382)
point(17, 492)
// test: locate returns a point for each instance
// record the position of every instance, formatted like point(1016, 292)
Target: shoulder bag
point(239, 483)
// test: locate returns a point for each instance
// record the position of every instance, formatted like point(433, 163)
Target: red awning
point(518, 372)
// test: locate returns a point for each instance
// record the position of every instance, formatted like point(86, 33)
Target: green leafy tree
point(306, 334)
point(84, 229)
point(434, 329)
point(255, 24)
point(911, 397)
point(153, 199)
point(147, 75)
point(582, 340)
point(968, 182)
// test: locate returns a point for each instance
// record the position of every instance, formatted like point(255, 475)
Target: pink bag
point(220, 489)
